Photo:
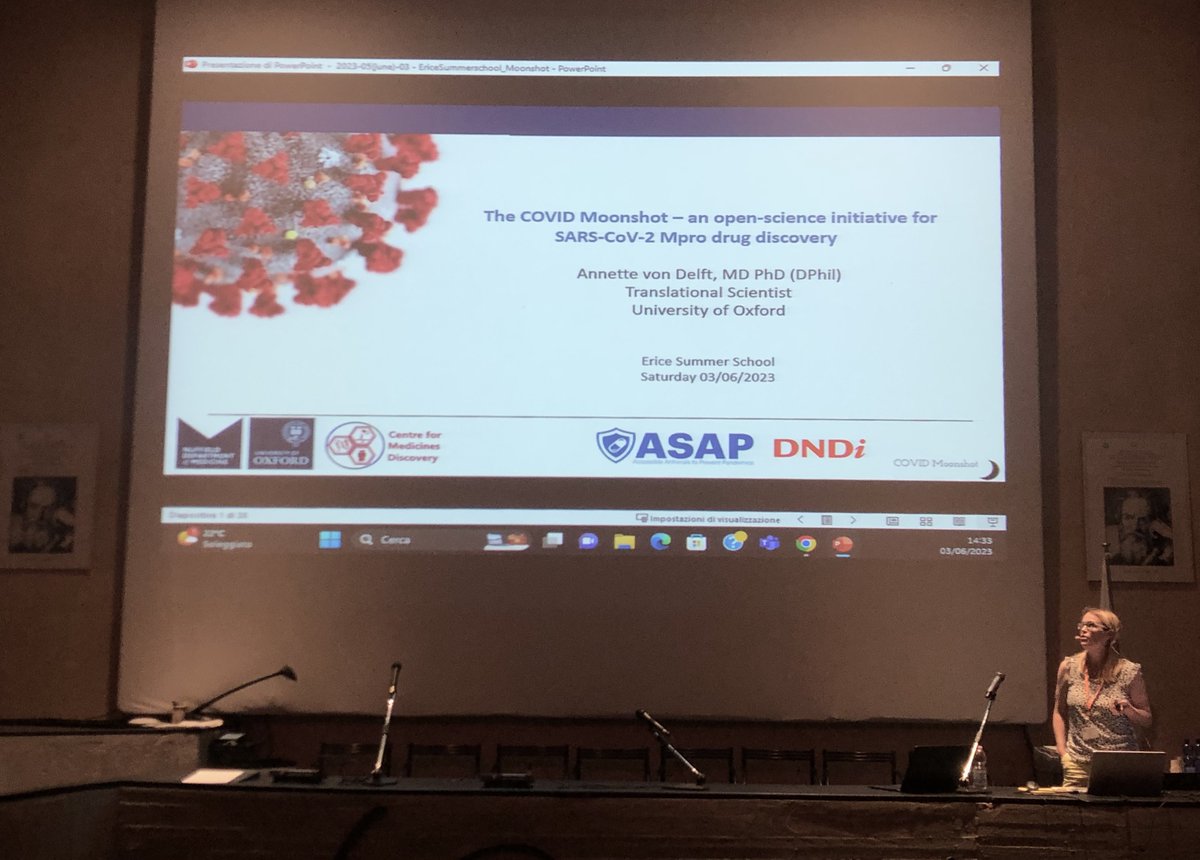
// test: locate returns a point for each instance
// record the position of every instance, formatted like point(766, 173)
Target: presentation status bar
point(584, 517)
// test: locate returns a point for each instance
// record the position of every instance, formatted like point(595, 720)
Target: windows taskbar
point(834, 542)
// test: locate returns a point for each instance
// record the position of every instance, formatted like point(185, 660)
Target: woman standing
point(1100, 699)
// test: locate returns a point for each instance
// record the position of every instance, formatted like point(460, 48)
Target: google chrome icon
point(806, 543)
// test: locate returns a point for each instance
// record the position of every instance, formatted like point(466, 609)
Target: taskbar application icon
point(635, 541)
point(506, 542)
point(734, 541)
point(189, 536)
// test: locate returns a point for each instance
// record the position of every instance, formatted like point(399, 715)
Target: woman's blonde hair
point(1110, 622)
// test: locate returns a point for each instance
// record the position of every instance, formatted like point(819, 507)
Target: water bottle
point(1189, 757)
point(979, 774)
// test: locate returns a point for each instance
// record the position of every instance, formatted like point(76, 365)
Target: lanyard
point(1087, 686)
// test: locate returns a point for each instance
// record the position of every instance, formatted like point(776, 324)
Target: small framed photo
point(47, 492)
point(1137, 506)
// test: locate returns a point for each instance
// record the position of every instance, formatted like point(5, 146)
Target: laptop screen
point(934, 769)
point(1126, 773)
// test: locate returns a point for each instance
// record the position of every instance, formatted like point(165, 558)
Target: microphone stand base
point(378, 779)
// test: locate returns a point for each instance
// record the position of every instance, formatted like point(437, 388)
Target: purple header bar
point(596, 121)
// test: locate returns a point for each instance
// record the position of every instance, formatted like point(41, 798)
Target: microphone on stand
point(990, 695)
point(376, 776)
point(661, 734)
point(654, 724)
point(285, 672)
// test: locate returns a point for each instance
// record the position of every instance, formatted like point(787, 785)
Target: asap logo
point(617, 444)
point(820, 449)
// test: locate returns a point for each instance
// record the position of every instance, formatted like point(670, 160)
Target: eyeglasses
point(1089, 625)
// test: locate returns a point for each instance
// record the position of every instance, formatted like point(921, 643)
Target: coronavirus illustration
point(264, 214)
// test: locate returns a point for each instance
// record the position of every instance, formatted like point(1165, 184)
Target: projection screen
point(589, 357)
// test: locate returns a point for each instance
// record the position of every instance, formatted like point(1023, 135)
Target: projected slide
point(589, 358)
point(587, 292)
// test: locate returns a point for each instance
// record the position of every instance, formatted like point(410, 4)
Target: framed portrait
point(47, 495)
point(1137, 505)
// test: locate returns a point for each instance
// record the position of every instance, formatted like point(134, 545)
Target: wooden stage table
point(446, 819)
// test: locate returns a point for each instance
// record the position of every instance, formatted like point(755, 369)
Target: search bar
point(376, 539)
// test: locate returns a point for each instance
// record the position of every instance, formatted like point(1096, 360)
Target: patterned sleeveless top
point(1097, 727)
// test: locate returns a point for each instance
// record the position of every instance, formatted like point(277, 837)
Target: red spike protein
point(260, 210)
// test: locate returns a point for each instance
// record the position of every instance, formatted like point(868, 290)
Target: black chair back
point(612, 764)
point(544, 762)
point(351, 761)
point(785, 766)
point(442, 760)
point(856, 759)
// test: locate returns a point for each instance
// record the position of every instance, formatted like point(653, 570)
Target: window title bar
point(593, 68)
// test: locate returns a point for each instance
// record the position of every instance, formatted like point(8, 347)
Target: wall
point(1117, 142)
point(1118, 136)
point(71, 84)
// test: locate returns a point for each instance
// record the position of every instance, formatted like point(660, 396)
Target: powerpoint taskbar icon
point(515, 541)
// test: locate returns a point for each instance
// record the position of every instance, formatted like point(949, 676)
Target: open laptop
point(1126, 773)
point(934, 770)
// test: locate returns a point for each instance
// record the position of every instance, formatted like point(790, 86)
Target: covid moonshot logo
point(354, 445)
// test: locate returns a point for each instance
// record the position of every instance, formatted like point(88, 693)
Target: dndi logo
point(617, 444)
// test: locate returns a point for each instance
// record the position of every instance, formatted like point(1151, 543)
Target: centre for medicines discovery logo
point(617, 444)
point(354, 445)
